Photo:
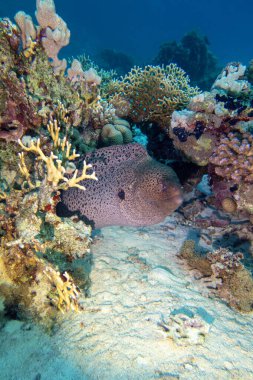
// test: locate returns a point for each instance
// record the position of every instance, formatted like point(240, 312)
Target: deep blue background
point(139, 27)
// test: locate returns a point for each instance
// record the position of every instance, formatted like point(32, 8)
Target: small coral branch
point(24, 170)
point(66, 297)
point(65, 146)
point(233, 158)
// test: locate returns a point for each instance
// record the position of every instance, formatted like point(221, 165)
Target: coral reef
point(192, 54)
point(223, 274)
point(215, 132)
point(30, 228)
point(50, 115)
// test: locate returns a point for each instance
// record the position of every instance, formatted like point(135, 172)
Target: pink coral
point(55, 33)
point(233, 158)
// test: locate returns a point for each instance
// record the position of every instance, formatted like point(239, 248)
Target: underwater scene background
point(126, 190)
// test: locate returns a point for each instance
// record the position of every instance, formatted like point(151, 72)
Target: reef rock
point(132, 189)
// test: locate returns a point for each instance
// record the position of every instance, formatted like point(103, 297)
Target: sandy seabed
point(137, 281)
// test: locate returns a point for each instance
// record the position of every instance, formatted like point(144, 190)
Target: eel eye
point(121, 194)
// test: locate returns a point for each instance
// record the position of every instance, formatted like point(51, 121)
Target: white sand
point(137, 281)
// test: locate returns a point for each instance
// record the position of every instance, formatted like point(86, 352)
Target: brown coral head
point(229, 205)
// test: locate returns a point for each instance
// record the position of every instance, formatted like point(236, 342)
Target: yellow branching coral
point(24, 170)
point(54, 169)
point(3, 195)
point(64, 145)
point(66, 294)
point(153, 92)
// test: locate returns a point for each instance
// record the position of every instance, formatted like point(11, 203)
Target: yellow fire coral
point(54, 169)
point(66, 293)
point(153, 92)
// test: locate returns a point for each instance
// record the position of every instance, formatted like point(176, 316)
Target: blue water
point(139, 27)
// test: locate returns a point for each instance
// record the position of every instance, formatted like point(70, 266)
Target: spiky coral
point(153, 92)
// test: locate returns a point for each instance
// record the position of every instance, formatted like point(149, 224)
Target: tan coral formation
point(57, 33)
point(52, 31)
point(153, 93)
point(223, 274)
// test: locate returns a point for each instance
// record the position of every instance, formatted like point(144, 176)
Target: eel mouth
point(177, 200)
point(175, 197)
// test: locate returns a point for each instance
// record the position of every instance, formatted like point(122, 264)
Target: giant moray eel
point(132, 189)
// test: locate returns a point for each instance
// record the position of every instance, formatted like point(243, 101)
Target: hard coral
point(116, 133)
point(233, 158)
point(154, 92)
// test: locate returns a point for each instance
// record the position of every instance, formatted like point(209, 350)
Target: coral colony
point(52, 115)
